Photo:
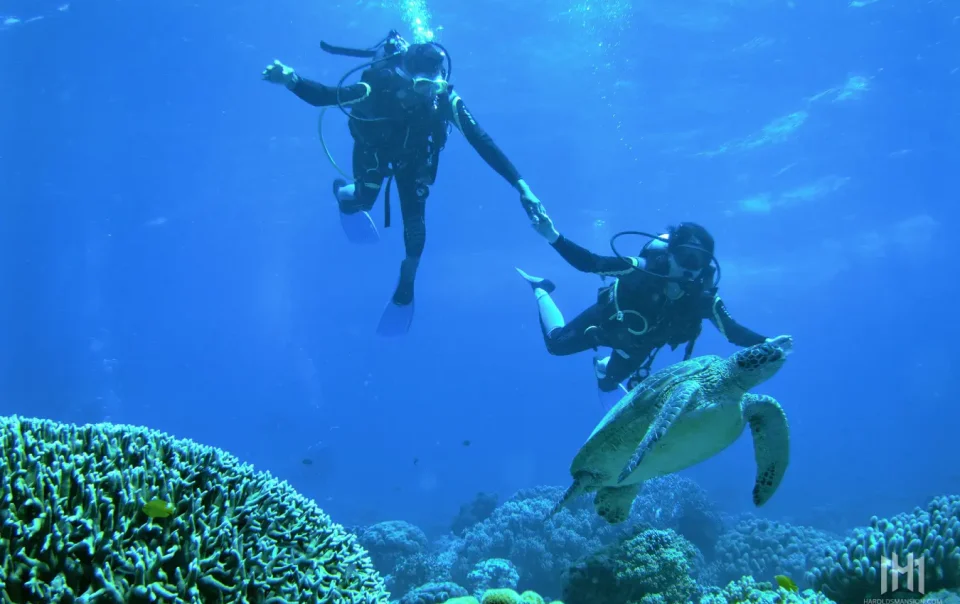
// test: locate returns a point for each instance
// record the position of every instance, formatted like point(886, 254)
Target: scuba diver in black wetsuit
point(400, 115)
point(657, 299)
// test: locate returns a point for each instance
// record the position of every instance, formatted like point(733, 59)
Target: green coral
point(502, 596)
point(747, 591)
point(649, 564)
point(531, 597)
point(71, 524)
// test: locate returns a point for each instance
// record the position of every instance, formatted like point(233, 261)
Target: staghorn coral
point(651, 563)
point(850, 571)
point(71, 524)
point(490, 572)
point(747, 591)
point(434, 593)
point(764, 548)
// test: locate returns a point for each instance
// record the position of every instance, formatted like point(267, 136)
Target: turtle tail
point(577, 488)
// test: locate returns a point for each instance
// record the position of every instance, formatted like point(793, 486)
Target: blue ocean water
point(172, 257)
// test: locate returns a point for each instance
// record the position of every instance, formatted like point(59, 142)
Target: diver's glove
point(278, 73)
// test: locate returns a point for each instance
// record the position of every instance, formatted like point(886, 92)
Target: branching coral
point(72, 527)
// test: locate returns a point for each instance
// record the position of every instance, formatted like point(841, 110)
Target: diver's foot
point(343, 193)
point(403, 295)
point(538, 282)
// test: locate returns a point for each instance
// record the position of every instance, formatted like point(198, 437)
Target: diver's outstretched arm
point(315, 93)
point(736, 334)
point(581, 258)
point(586, 261)
point(482, 142)
point(320, 95)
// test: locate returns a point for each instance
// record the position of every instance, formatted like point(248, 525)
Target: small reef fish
point(158, 508)
point(786, 583)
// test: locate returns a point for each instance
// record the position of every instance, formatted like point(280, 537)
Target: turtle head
point(754, 365)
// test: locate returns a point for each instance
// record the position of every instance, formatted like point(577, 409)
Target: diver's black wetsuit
point(635, 317)
point(409, 141)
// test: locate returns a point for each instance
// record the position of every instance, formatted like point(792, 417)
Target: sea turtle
point(680, 416)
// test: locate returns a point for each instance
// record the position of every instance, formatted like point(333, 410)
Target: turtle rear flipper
point(771, 443)
point(679, 399)
point(613, 503)
point(577, 488)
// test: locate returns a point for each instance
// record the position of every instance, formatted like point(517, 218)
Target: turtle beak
point(783, 343)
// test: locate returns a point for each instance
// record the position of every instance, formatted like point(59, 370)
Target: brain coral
point(72, 527)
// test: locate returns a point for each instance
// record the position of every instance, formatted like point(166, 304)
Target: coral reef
point(398, 550)
point(434, 593)
point(541, 548)
point(678, 503)
point(474, 512)
point(748, 591)
point(502, 596)
point(492, 572)
point(653, 562)
point(764, 548)
point(72, 525)
point(850, 571)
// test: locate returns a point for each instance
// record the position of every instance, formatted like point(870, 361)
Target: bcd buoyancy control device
point(390, 49)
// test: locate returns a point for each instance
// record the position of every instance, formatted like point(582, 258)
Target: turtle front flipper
point(771, 443)
point(671, 409)
point(613, 503)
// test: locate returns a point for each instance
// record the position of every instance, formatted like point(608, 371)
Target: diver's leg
point(576, 336)
point(369, 172)
point(413, 203)
point(398, 314)
point(356, 199)
point(618, 368)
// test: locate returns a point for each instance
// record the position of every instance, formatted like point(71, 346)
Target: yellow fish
point(787, 583)
point(158, 508)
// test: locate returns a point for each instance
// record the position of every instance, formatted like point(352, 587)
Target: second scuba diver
point(400, 114)
point(658, 298)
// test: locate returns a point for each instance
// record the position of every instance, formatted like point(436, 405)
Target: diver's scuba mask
point(423, 65)
point(690, 265)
